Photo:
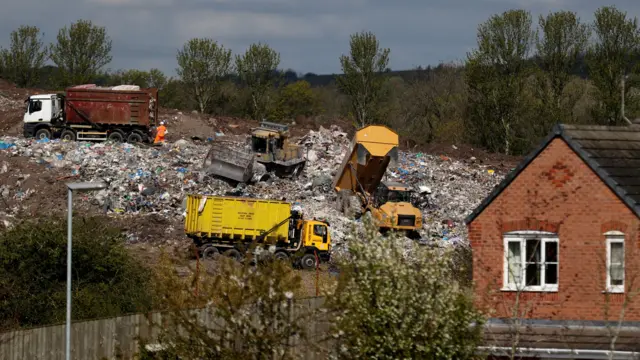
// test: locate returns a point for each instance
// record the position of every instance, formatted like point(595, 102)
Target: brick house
point(556, 248)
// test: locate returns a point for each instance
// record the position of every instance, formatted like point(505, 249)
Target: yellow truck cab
point(392, 207)
point(232, 225)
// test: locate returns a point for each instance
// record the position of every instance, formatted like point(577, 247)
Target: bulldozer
point(271, 152)
point(271, 144)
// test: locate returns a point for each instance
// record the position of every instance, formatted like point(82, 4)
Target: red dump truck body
point(83, 105)
point(92, 113)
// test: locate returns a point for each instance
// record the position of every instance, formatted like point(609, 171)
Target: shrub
point(107, 281)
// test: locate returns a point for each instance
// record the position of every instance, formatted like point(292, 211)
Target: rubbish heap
point(7, 103)
point(155, 180)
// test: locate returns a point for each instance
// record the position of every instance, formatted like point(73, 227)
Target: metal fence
point(115, 338)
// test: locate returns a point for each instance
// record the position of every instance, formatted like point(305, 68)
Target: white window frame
point(522, 236)
point(611, 238)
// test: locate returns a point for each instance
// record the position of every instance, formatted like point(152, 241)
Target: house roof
point(612, 152)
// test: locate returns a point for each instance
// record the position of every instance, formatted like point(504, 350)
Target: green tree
point(157, 79)
point(153, 78)
point(252, 305)
point(80, 53)
point(130, 77)
point(257, 70)
point(496, 76)
point(202, 65)
point(434, 105)
point(107, 280)
point(610, 59)
point(564, 39)
point(22, 61)
point(297, 99)
point(174, 95)
point(363, 78)
point(389, 305)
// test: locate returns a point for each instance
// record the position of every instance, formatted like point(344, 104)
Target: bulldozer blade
point(228, 163)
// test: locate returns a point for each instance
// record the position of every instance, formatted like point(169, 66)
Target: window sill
point(539, 289)
point(613, 291)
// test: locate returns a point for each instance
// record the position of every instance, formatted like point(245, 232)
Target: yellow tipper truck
point(229, 225)
point(359, 177)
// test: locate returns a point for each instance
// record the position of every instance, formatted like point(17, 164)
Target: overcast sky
point(309, 34)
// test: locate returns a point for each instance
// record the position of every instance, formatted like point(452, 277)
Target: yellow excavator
point(360, 188)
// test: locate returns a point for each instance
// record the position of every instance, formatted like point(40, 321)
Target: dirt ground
point(312, 282)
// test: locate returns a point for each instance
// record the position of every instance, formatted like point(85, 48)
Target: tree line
point(507, 93)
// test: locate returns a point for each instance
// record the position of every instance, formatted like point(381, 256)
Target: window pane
point(551, 251)
point(551, 274)
point(617, 253)
point(533, 275)
point(617, 274)
point(533, 251)
point(514, 262)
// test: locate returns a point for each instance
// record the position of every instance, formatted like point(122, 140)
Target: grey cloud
point(310, 35)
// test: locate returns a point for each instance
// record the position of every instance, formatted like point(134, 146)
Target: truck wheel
point(210, 253)
point(281, 256)
point(308, 262)
point(116, 136)
point(43, 134)
point(68, 135)
point(233, 253)
point(134, 137)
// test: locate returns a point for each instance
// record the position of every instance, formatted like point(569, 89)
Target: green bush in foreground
point(391, 303)
point(107, 281)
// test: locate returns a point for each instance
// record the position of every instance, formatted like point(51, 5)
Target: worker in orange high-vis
point(160, 133)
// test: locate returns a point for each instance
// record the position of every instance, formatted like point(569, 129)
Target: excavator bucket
point(226, 162)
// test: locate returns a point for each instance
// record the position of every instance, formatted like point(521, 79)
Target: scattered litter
point(145, 180)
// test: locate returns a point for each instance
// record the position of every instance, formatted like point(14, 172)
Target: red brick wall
point(557, 192)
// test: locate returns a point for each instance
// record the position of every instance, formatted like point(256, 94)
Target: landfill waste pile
point(10, 109)
point(146, 180)
point(7, 103)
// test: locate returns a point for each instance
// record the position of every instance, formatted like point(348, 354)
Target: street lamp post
point(78, 186)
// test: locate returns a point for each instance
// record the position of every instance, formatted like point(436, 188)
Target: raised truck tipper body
point(231, 225)
point(358, 182)
point(87, 112)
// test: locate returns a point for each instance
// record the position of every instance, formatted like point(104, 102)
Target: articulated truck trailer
point(230, 226)
point(88, 112)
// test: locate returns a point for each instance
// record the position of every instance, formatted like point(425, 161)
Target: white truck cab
point(41, 111)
